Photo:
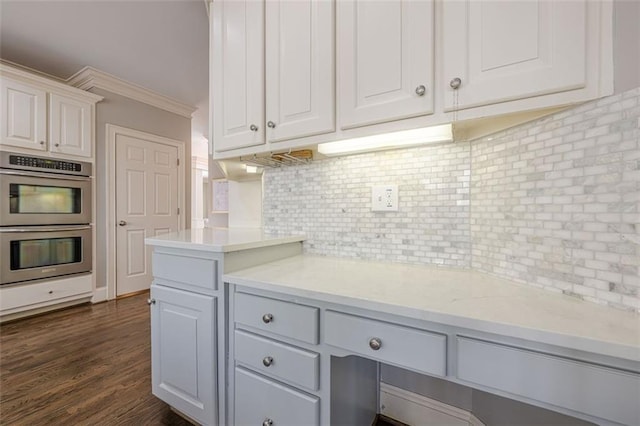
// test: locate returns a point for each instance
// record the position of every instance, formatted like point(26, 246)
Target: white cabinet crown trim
point(89, 77)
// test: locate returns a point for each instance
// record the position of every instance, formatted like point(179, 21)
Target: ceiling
point(161, 45)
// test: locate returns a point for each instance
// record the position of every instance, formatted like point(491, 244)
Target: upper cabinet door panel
point(511, 50)
point(385, 60)
point(70, 126)
point(238, 74)
point(24, 115)
point(299, 68)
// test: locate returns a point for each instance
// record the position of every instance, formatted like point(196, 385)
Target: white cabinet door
point(299, 68)
point(385, 60)
point(183, 352)
point(24, 115)
point(70, 126)
point(237, 93)
point(511, 50)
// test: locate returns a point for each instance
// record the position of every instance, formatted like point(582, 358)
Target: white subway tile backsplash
point(554, 203)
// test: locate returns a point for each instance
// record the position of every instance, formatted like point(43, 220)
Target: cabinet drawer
point(276, 359)
point(403, 346)
point(287, 319)
point(18, 297)
point(195, 272)
point(258, 400)
point(599, 391)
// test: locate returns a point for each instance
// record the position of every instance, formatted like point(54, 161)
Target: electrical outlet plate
point(384, 198)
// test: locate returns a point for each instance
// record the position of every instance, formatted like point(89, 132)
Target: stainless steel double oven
point(45, 218)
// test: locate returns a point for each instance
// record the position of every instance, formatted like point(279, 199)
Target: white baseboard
point(413, 409)
point(99, 295)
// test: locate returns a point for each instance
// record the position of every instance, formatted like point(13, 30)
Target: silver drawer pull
point(267, 422)
point(267, 361)
point(267, 318)
point(375, 343)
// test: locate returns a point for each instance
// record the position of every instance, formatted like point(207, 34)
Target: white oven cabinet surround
point(272, 71)
point(294, 324)
point(188, 312)
point(398, 65)
point(45, 117)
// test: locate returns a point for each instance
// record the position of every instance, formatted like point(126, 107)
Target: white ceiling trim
point(89, 77)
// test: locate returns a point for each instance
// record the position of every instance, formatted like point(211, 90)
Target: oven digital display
point(40, 253)
point(25, 199)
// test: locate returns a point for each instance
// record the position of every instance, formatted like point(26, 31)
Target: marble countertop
point(221, 240)
point(457, 297)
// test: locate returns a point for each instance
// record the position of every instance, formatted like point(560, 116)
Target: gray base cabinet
point(183, 355)
point(303, 361)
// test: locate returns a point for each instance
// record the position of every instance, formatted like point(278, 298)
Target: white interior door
point(146, 205)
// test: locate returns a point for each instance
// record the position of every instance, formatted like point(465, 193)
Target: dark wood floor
point(86, 365)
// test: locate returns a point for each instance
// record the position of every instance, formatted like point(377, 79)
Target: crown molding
point(89, 77)
point(44, 80)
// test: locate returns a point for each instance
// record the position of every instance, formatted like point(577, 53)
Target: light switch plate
point(384, 198)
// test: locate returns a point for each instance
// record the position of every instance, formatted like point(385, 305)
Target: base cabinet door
point(183, 352)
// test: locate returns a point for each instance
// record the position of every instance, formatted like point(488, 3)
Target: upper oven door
point(34, 198)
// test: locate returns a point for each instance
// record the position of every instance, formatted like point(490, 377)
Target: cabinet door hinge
point(178, 210)
point(178, 161)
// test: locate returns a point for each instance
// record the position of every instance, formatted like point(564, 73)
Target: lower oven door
point(43, 252)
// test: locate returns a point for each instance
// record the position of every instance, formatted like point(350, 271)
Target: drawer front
point(258, 400)
point(404, 346)
point(599, 391)
point(193, 271)
point(276, 316)
point(32, 295)
point(276, 359)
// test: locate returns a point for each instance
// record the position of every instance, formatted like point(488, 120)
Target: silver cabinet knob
point(267, 318)
point(267, 422)
point(57, 144)
point(271, 124)
point(253, 128)
point(267, 361)
point(375, 343)
point(421, 90)
point(42, 142)
point(122, 223)
point(151, 302)
point(455, 83)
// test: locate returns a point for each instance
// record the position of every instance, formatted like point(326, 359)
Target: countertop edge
point(600, 347)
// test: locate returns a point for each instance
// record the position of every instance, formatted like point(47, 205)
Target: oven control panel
point(44, 163)
point(10, 160)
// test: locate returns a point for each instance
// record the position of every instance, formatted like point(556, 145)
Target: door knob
point(122, 223)
point(455, 83)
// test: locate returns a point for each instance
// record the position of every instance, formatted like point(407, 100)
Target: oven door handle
point(45, 228)
point(44, 175)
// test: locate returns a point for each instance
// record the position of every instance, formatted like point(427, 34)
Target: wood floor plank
point(85, 365)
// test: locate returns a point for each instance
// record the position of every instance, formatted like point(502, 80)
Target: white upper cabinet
point(273, 56)
point(299, 68)
point(503, 51)
point(23, 115)
point(385, 60)
point(237, 84)
point(70, 126)
point(39, 114)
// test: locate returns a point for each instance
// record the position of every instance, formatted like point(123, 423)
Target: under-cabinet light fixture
point(425, 135)
point(251, 169)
